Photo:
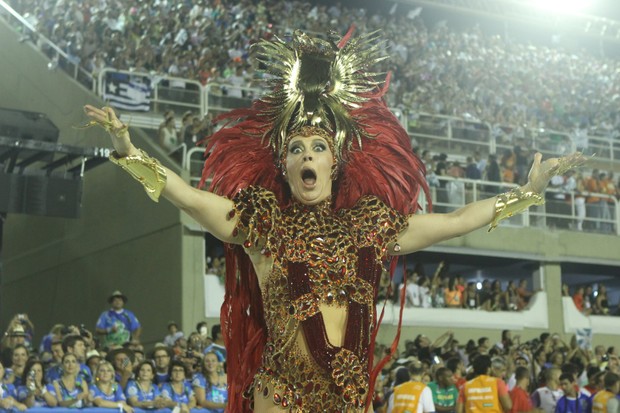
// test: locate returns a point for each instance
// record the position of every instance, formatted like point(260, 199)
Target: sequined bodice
point(319, 257)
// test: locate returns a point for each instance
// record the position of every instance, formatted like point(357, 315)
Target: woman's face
point(211, 363)
point(38, 372)
point(70, 364)
point(20, 356)
point(105, 373)
point(309, 162)
point(146, 372)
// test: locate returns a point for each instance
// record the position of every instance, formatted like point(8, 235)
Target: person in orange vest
point(593, 207)
point(412, 396)
point(605, 401)
point(483, 393)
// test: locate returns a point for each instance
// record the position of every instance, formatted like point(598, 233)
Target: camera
point(83, 331)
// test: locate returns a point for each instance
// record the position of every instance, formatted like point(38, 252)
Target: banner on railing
point(127, 92)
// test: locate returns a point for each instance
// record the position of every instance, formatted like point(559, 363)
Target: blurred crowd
point(591, 301)
point(74, 367)
point(467, 74)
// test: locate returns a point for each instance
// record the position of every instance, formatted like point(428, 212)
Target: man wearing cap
point(118, 325)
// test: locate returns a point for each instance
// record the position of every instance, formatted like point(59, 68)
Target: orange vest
point(407, 397)
point(592, 185)
point(599, 402)
point(481, 395)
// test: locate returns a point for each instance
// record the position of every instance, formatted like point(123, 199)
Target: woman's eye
point(295, 149)
point(319, 147)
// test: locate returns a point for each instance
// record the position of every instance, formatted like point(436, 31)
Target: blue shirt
point(213, 393)
point(55, 372)
point(7, 390)
point(168, 392)
point(143, 395)
point(22, 395)
point(117, 394)
point(125, 323)
point(566, 404)
point(66, 394)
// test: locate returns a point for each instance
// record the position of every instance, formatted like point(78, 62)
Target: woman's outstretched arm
point(209, 210)
point(425, 230)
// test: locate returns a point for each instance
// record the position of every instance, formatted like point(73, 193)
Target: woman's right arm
point(209, 210)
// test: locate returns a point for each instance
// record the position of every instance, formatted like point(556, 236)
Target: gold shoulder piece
point(145, 169)
point(513, 202)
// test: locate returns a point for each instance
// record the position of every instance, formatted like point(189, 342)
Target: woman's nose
point(307, 157)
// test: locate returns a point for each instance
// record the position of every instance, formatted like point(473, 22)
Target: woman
point(168, 136)
point(178, 392)
point(8, 394)
point(452, 295)
point(142, 392)
point(33, 393)
point(601, 305)
point(18, 359)
point(69, 390)
point(106, 392)
point(308, 159)
point(470, 296)
point(210, 385)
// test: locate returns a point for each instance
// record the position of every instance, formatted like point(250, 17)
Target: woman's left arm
point(425, 230)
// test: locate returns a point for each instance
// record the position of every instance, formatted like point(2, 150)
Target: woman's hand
point(542, 172)
point(107, 119)
point(127, 408)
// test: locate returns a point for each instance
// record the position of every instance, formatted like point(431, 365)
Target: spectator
point(93, 358)
point(572, 401)
point(161, 355)
point(173, 334)
point(33, 393)
point(546, 397)
point(168, 135)
point(106, 392)
point(118, 325)
point(218, 343)
point(55, 334)
point(142, 392)
point(14, 336)
point(483, 392)
point(76, 345)
point(122, 360)
point(413, 395)
point(521, 402)
point(606, 401)
point(15, 373)
point(178, 392)
point(210, 385)
point(8, 395)
point(69, 390)
point(452, 295)
point(53, 371)
point(444, 391)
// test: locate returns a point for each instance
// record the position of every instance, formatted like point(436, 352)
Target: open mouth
point(308, 176)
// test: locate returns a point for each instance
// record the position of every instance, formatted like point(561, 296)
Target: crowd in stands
point(75, 368)
point(468, 74)
point(544, 374)
point(445, 291)
point(590, 301)
point(72, 367)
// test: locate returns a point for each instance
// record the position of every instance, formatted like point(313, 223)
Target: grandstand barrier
point(598, 324)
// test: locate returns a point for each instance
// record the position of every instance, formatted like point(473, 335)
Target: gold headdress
point(318, 83)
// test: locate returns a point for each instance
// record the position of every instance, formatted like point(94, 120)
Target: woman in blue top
point(7, 395)
point(210, 385)
point(69, 390)
point(178, 392)
point(34, 392)
point(106, 392)
point(141, 392)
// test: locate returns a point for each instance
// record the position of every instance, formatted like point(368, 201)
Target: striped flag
point(132, 93)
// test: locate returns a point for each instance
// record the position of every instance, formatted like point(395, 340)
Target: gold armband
point(513, 202)
point(146, 170)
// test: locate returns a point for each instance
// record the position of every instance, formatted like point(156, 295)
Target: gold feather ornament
point(318, 83)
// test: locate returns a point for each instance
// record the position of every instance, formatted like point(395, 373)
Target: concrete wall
point(64, 269)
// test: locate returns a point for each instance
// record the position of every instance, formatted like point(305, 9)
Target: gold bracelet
point(146, 170)
point(513, 202)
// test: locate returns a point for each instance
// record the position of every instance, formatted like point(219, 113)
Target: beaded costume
point(329, 254)
point(319, 257)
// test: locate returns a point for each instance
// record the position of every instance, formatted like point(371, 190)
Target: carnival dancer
point(315, 189)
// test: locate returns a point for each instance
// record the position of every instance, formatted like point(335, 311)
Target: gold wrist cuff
point(146, 170)
point(513, 202)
